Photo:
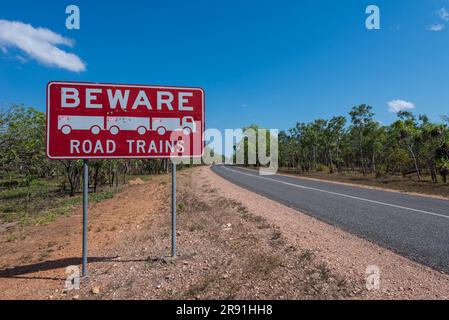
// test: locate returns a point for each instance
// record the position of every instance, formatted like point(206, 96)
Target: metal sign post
point(85, 217)
point(173, 209)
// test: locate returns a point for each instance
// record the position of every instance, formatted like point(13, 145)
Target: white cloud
point(436, 27)
point(399, 105)
point(21, 59)
point(443, 13)
point(40, 44)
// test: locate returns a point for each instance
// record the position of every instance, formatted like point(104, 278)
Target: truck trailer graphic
point(114, 125)
point(117, 124)
point(68, 123)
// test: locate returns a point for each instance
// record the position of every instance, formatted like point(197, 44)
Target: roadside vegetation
point(411, 152)
point(35, 190)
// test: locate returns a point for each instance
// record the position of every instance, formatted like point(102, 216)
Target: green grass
point(12, 238)
point(43, 201)
point(103, 195)
point(181, 207)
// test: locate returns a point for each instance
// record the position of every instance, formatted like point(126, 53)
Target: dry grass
point(397, 182)
point(225, 251)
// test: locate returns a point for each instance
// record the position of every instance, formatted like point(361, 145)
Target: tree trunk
point(125, 171)
point(96, 178)
point(415, 162)
point(432, 170)
point(361, 155)
point(331, 165)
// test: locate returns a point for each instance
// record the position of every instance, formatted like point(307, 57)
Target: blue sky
point(273, 63)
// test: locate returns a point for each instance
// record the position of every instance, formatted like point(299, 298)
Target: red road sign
point(115, 121)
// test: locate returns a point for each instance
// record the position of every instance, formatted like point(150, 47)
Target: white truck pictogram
point(116, 124)
point(162, 125)
point(68, 123)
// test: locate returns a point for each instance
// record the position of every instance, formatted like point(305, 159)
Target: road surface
point(413, 226)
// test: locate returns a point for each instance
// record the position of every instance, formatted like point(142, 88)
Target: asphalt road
point(412, 226)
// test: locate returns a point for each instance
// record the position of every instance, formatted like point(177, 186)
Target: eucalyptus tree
point(361, 119)
point(408, 134)
point(334, 134)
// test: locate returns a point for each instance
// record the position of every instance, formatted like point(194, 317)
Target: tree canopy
point(410, 145)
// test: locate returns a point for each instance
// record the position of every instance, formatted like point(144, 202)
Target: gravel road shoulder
point(345, 254)
point(232, 244)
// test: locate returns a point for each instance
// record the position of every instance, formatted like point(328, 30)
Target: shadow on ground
point(20, 271)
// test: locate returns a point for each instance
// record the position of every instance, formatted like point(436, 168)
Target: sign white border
point(47, 119)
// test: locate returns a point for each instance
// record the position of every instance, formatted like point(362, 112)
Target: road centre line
point(341, 194)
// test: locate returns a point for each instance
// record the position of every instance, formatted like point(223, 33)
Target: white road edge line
point(341, 194)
